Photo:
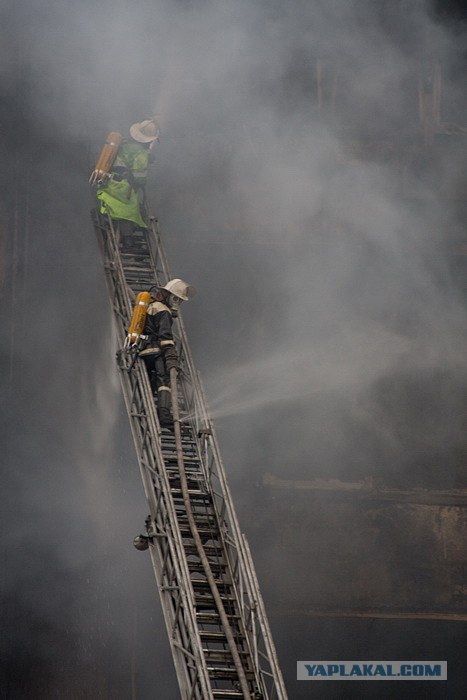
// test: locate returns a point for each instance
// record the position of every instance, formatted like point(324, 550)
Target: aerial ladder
point(214, 613)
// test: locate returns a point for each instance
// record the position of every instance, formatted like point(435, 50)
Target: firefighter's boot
point(163, 408)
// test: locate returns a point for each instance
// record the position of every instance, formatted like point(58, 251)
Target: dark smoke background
point(329, 327)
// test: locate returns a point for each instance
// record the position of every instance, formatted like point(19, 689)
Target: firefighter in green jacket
point(122, 196)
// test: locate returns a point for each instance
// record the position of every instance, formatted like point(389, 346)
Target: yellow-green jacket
point(120, 196)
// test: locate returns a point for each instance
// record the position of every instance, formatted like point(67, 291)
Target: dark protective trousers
point(160, 384)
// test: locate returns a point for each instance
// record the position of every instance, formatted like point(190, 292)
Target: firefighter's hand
point(171, 359)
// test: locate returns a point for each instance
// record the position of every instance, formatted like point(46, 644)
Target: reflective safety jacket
point(133, 157)
point(120, 195)
point(158, 328)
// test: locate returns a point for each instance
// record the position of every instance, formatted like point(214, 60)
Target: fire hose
point(199, 545)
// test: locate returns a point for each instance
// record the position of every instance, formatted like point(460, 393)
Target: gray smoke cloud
point(329, 324)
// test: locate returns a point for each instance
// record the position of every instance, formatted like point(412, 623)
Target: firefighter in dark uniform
point(160, 354)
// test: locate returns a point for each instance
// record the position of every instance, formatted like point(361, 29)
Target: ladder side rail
point(222, 532)
point(221, 493)
point(249, 593)
point(173, 588)
point(232, 560)
point(148, 466)
point(243, 593)
point(201, 671)
point(119, 295)
point(246, 575)
point(270, 649)
point(182, 645)
point(187, 644)
point(246, 587)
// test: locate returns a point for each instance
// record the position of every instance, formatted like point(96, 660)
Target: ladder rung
point(202, 583)
point(193, 492)
point(215, 658)
point(192, 480)
point(187, 459)
point(204, 519)
point(212, 636)
point(205, 618)
point(198, 496)
point(211, 549)
point(204, 598)
point(204, 529)
point(206, 536)
point(187, 439)
point(191, 469)
point(225, 673)
point(188, 455)
point(135, 267)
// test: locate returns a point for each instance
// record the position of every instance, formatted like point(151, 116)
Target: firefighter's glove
point(171, 359)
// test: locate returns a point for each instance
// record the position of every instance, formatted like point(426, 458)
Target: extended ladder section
point(213, 609)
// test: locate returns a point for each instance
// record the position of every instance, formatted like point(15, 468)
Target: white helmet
point(180, 289)
point(145, 131)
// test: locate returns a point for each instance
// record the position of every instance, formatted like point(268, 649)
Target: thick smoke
point(329, 326)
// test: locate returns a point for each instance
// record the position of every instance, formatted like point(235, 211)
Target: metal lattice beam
point(204, 662)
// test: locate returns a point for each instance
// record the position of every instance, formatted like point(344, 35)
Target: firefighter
point(160, 354)
point(122, 195)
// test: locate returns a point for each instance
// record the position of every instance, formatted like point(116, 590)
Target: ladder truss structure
point(215, 620)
